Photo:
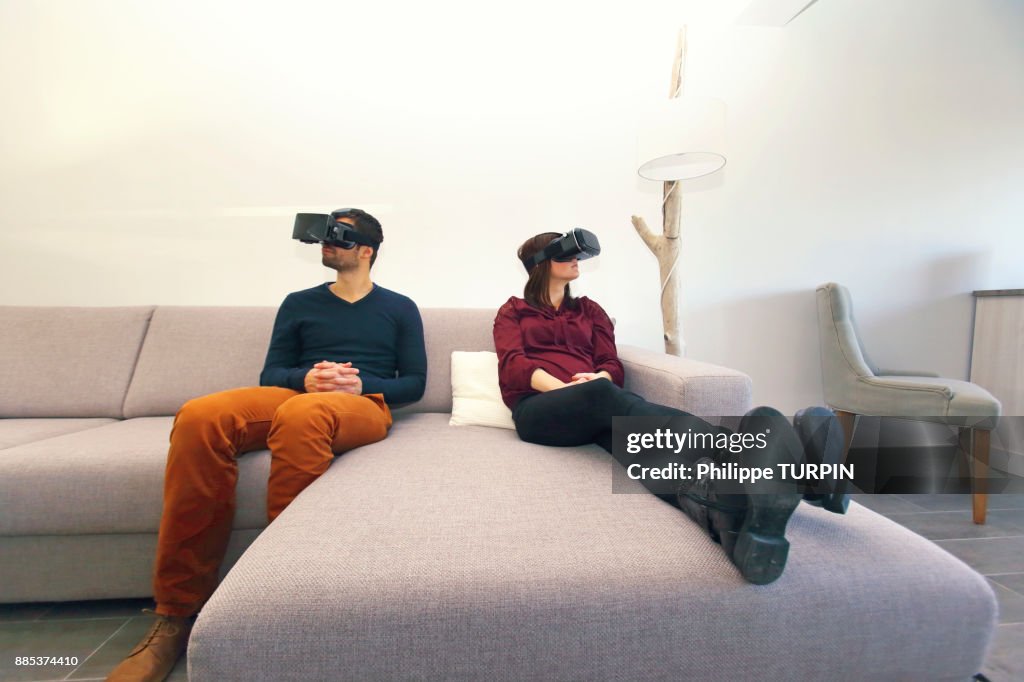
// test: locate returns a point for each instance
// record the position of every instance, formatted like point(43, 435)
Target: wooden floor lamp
point(681, 139)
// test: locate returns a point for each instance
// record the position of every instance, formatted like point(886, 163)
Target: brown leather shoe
point(154, 656)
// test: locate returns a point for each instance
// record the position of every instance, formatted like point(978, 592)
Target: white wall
point(155, 152)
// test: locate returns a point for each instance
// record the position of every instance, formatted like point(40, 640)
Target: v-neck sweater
point(381, 334)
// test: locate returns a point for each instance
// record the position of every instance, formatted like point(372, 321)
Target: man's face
point(340, 259)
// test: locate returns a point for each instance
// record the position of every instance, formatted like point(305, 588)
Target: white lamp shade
point(683, 138)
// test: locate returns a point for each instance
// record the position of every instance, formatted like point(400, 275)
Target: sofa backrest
point(145, 362)
point(68, 362)
point(446, 330)
point(191, 351)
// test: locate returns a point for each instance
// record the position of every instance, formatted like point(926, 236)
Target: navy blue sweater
point(381, 334)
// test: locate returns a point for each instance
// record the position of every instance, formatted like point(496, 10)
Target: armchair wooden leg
point(840, 496)
point(979, 452)
point(848, 420)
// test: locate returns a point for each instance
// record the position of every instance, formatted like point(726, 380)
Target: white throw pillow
point(476, 397)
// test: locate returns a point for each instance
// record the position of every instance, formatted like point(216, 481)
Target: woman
point(561, 376)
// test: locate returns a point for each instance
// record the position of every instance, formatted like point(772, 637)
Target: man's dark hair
point(365, 224)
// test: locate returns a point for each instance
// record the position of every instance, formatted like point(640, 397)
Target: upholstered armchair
point(855, 386)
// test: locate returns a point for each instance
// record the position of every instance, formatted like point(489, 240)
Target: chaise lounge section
point(443, 552)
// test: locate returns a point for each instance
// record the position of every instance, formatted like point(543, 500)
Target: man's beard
point(336, 262)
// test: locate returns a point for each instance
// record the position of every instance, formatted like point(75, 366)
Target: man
point(340, 353)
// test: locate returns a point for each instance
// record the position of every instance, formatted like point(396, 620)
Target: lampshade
point(681, 139)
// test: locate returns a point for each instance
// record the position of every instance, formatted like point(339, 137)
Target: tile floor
point(100, 633)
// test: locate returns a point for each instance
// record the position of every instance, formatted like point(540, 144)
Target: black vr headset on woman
point(578, 243)
point(320, 228)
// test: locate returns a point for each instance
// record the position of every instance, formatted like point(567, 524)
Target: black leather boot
point(696, 497)
point(749, 520)
point(823, 440)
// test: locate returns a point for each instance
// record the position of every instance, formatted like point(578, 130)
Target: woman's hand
point(544, 382)
point(581, 377)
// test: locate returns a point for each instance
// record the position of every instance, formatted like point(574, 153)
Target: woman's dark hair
point(536, 290)
point(366, 224)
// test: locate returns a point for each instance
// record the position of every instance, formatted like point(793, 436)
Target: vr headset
point(320, 228)
point(578, 243)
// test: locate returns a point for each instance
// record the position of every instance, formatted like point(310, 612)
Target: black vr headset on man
point(320, 228)
point(578, 243)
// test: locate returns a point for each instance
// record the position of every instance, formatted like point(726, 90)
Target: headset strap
point(350, 235)
point(548, 251)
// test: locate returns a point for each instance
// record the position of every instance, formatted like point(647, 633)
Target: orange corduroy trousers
point(303, 431)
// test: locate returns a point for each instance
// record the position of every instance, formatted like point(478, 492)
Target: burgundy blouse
point(561, 342)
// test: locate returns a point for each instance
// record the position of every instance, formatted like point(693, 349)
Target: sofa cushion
point(476, 394)
point(108, 479)
point(461, 553)
point(193, 351)
point(93, 350)
point(20, 431)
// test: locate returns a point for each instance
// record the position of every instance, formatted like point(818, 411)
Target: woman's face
point(567, 271)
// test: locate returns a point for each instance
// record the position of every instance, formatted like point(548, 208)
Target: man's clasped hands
point(334, 376)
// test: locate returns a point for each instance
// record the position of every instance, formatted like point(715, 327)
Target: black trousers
point(582, 414)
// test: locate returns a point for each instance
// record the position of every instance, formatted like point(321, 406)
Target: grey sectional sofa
point(441, 553)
